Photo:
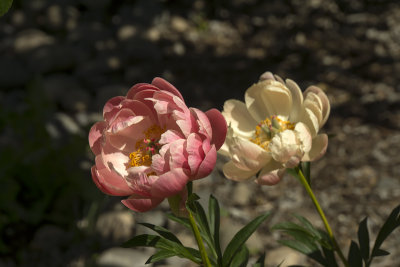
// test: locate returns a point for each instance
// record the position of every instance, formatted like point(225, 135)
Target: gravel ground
point(83, 52)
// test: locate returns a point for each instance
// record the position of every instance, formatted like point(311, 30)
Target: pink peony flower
point(151, 144)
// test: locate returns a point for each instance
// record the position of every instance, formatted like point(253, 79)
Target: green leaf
point(241, 237)
point(5, 6)
point(381, 252)
point(241, 258)
point(354, 257)
point(363, 239)
point(260, 261)
point(162, 232)
point(160, 255)
point(330, 257)
point(311, 251)
point(183, 221)
point(159, 242)
point(201, 220)
point(392, 222)
point(214, 220)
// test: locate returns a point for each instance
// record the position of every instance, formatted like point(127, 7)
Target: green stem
point(321, 214)
point(199, 241)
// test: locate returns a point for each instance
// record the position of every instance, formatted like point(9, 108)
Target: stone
point(124, 257)
point(284, 256)
point(242, 194)
point(30, 39)
point(117, 226)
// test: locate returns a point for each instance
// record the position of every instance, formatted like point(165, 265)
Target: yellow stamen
point(267, 128)
point(146, 148)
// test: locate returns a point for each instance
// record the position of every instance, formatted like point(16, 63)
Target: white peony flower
point(275, 128)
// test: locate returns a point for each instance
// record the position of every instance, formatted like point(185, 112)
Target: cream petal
point(326, 107)
point(238, 118)
point(231, 171)
point(318, 149)
point(315, 107)
point(246, 154)
point(268, 98)
point(267, 76)
point(303, 133)
point(308, 118)
point(285, 145)
point(297, 100)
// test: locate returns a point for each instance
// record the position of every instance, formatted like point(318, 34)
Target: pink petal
point(109, 180)
point(195, 152)
point(203, 122)
point(170, 136)
point(138, 108)
point(270, 178)
point(112, 107)
point(95, 179)
point(179, 155)
point(219, 127)
point(164, 85)
point(208, 163)
point(95, 136)
point(170, 183)
point(140, 204)
point(138, 88)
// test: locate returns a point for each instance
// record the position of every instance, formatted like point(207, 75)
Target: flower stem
point(199, 240)
point(321, 214)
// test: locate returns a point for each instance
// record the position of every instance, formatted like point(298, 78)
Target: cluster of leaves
point(317, 244)
point(168, 245)
point(5, 6)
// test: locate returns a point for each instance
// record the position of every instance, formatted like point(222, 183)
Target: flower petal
point(96, 136)
point(297, 100)
point(268, 98)
point(326, 107)
point(219, 127)
point(164, 85)
point(170, 183)
point(141, 204)
point(111, 107)
point(208, 163)
point(235, 173)
point(270, 177)
point(318, 149)
point(238, 117)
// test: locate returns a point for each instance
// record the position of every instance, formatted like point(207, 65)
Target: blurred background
point(60, 60)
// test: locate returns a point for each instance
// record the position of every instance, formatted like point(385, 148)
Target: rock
point(124, 257)
point(179, 24)
point(242, 194)
point(126, 31)
point(117, 226)
point(285, 256)
point(30, 39)
point(68, 123)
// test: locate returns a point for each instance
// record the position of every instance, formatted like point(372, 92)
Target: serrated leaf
point(354, 258)
point(363, 239)
point(311, 251)
point(5, 5)
point(160, 255)
point(183, 221)
point(214, 219)
point(392, 222)
point(162, 232)
point(240, 238)
point(241, 258)
point(260, 261)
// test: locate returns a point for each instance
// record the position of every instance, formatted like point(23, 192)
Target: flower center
point(267, 129)
point(146, 147)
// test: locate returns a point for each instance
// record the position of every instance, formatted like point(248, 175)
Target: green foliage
point(168, 245)
point(308, 240)
point(5, 6)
